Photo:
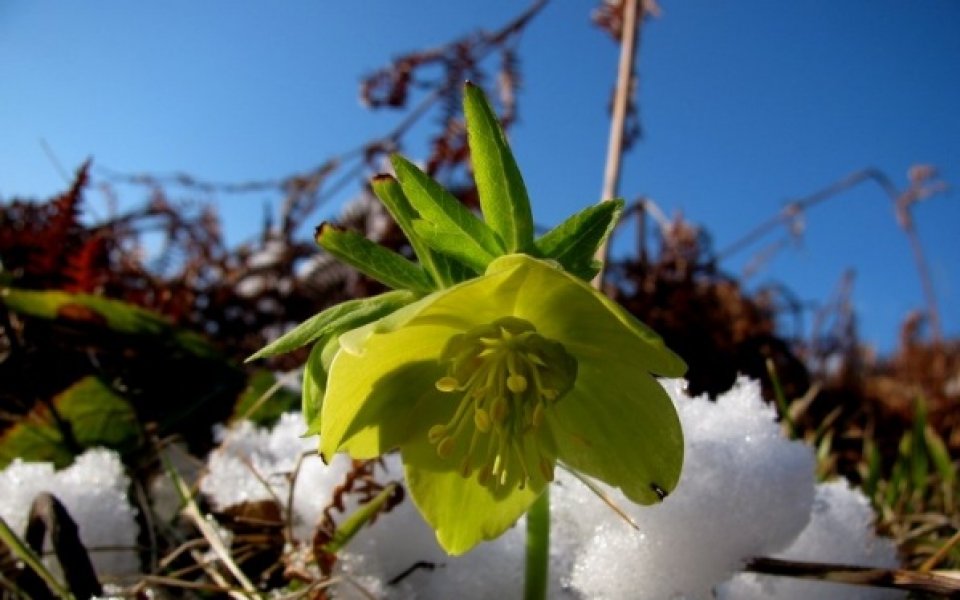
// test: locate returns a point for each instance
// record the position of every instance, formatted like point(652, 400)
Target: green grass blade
point(23, 552)
point(940, 455)
point(919, 459)
point(364, 514)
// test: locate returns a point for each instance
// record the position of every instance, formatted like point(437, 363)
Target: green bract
point(493, 359)
point(484, 386)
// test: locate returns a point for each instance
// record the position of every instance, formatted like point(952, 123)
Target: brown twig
point(633, 15)
point(900, 579)
point(920, 188)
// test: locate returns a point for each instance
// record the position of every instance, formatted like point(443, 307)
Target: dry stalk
point(633, 15)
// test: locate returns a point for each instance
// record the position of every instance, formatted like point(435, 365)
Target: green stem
point(31, 559)
point(538, 548)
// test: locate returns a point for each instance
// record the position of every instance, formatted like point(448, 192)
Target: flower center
point(507, 376)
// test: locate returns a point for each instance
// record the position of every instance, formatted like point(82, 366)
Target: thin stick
point(940, 554)
point(207, 530)
point(871, 576)
point(633, 13)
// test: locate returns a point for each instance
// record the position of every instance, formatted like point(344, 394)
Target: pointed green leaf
point(453, 244)
point(390, 193)
point(342, 317)
point(370, 258)
point(574, 242)
point(437, 205)
point(503, 195)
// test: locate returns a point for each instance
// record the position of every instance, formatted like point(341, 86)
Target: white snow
point(94, 491)
point(745, 491)
point(840, 531)
point(249, 457)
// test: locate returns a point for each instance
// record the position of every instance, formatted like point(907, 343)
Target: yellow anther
point(447, 384)
point(482, 420)
point(517, 383)
point(496, 374)
point(445, 447)
point(436, 433)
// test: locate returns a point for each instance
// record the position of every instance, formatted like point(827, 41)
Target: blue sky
point(745, 106)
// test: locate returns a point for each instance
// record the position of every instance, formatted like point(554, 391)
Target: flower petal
point(381, 383)
point(461, 511)
point(619, 425)
point(384, 394)
point(586, 322)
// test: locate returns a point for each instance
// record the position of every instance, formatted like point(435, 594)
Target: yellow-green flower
point(492, 360)
point(484, 386)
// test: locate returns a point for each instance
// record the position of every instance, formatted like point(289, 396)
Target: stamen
point(538, 415)
point(517, 383)
point(436, 433)
point(499, 371)
point(445, 447)
point(447, 384)
point(482, 420)
point(499, 410)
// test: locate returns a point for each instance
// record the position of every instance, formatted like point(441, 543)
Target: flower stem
point(538, 548)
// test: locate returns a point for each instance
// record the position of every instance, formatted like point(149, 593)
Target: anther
point(483, 476)
point(499, 410)
point(497, 372)
point(447, 384)
point(436, 433)
point(537, 418)
point(445, 447)
point(517, 383)
point(482, 420)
